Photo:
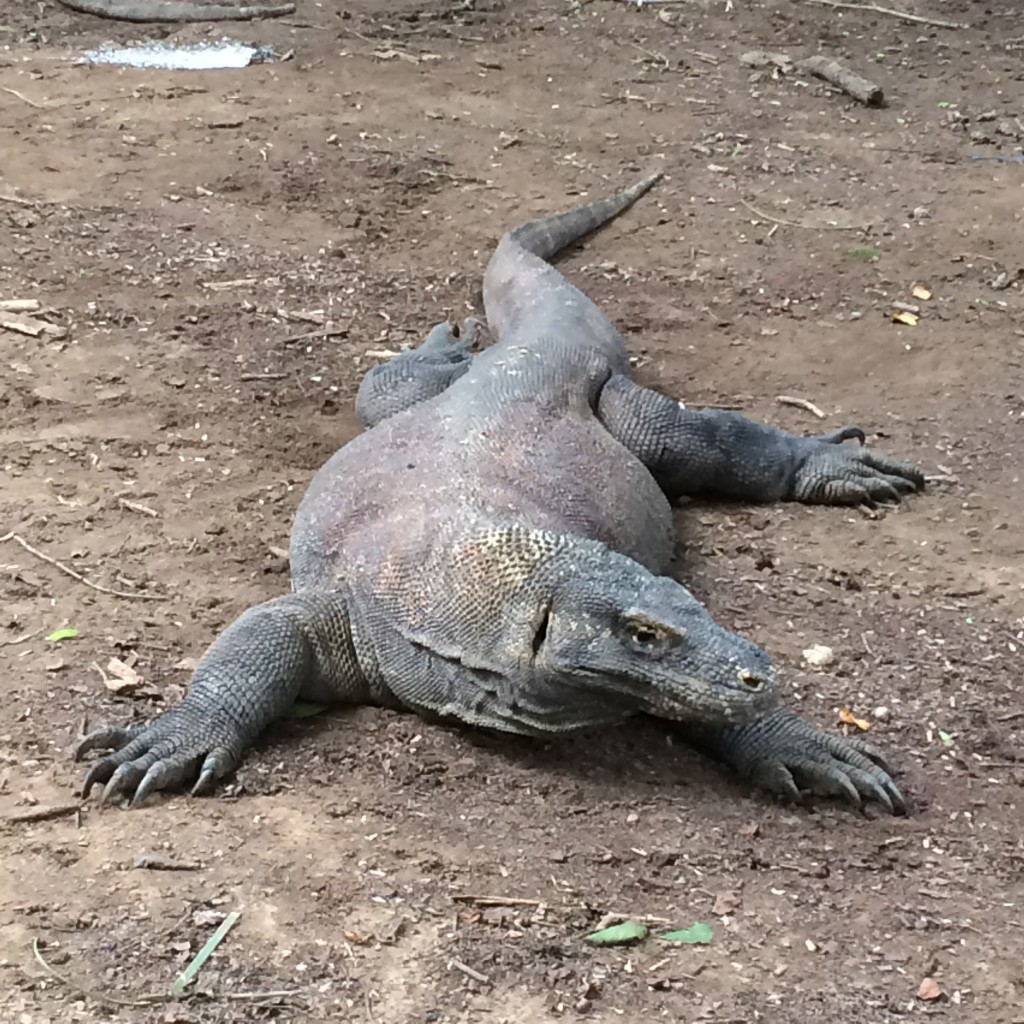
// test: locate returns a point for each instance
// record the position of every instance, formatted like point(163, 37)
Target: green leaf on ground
point(699, 934)
point(68, 633)
point(618, 934)
point(865, 253)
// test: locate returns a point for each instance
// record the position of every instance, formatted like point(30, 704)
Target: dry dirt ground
point(224, 253)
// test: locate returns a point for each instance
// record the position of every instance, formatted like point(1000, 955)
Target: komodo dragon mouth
point(544, 443)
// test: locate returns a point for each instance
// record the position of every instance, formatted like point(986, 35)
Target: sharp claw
point(844, 434)
point(99, 774)
point(112, 737)
point(125, 778)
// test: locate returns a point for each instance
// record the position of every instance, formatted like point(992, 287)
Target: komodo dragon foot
point(418, 374)
point(834, 475)
point(788, 756)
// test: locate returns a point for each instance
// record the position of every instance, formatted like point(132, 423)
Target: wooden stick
point(850, 82)
point(920, 19)
point(77, 576)
point(469, 972)
point(800, 403)
point(42, 813)
point(21, 639)
point(148, 11)
point(495, 901)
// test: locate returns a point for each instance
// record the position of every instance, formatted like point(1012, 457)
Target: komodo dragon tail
point(547, 236)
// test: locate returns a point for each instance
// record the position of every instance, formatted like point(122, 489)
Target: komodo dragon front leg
point(714, 452)
point(418, 374)
point(298, 645)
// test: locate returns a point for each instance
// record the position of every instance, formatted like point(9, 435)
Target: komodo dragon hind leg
point(720, 453)
point(420, 373)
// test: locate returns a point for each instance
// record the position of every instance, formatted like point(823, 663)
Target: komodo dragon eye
point(653, 635)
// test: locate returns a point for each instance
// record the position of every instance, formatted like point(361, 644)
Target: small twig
point(78, 576)
point(21, 639)
point(469, 972)
point(6, 197)
point(1011, 716)
point(263, 376)
point(797, 224)
point(495, 901)
point(42, 813)
point(136, 506)
point(321, 333)
point(919, 18)
point(800, 403)
point(25, 99)
point(100, 997)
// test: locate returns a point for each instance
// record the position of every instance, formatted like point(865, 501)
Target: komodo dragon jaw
point(543, 441)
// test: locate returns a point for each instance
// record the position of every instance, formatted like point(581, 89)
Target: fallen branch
point(800, 403)
point(874, 8)
point(850, 82)
point(172, 10)
point(827, 68)
point(42, 556)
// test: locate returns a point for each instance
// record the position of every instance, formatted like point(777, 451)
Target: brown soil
point(361, 184)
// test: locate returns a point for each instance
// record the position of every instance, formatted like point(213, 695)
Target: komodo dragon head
point(579, 633)
point(646, 640)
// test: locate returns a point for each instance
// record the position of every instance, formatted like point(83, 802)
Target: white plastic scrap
point(194, 57)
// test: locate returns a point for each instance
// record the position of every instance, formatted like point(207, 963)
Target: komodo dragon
point(493, 550)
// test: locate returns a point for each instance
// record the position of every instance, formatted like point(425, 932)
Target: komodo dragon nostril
point(752, 682)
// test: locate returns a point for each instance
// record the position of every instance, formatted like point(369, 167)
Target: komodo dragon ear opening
point(650, 634)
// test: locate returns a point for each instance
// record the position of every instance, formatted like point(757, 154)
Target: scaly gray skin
point(149, 11)
point(495, 548)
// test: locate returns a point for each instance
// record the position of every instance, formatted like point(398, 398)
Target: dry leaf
point(929, 989)
point(920, 292)
point(725, 903)
point(910, 319)
point(847, 717)
point(121, 676)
